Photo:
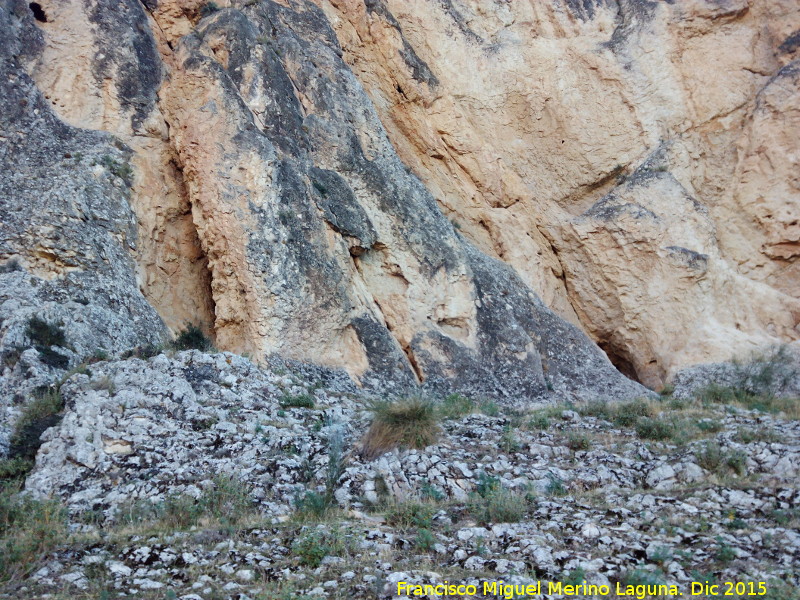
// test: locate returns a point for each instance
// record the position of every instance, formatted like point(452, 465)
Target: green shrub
point(455, 406)
point(13, 468)
point(498, 506)
point(298, 401)
point(539, 421)
point(52, 358)
point(508, 441)
point(410, 423)
point(598, 409)
point(762, 434)
point(313, 546)
point(709, 426)
point(40, 414)
point(44, 334)
point(425, 540)
point(628, 414)
point(578, 441)
point(406, 515)
point(490, 408)
point(313, 505)
point(713, 458)
point(654, 429)
point(191, 337)
point(555, 485)
point(724, 553)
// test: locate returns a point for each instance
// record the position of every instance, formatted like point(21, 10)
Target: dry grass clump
point(409, 423)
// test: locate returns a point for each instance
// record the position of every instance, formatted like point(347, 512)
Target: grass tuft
point(410, 423)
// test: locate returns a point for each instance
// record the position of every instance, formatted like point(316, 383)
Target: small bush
point(40, 414)
point(487, 485)
point(654, 429)
point(762, 434)
point(406, 515)
point(628, 414)
point(713, 457)
point(724, 553)
point(143, 352)
point(298, 401)
point(455, 406)
point(122, 170)
point(555, 486)
point(578, 442)
point(598, 409)
point(499, 506)
point(425, 540)
point(709, 426)
point(490, 408)
point(191, 338)
point(508, 441)
point(315, 545)
point(539, 421)
point(313, 505)
point(408, 423)
point(52, 358)
point(430, 492)
point(13, 468)
point(44, 334)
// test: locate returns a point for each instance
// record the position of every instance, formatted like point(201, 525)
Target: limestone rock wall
point(635, 162)
point(457, 192)
point(272, 208)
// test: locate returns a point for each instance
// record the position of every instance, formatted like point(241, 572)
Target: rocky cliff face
point(467, 194)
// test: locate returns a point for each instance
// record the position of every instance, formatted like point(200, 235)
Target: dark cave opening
point(38, 12)
point(619, 359)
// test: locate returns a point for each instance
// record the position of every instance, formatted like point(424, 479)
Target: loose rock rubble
point(601, 508)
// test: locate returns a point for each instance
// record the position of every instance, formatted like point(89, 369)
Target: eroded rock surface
point(635, 161)
point(273, 210)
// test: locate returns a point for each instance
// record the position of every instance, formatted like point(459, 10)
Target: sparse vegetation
point(555, 485)
point(312, 504)
point(227, 502)
point(455, 406)
point(208, 8)
point(748, 435)
point(297, 401)
point(713, 457)
point(578, 442)
point(45, 334)
point(407, 515)
point(40, 413)
point(29, 528)
point(655, 429)
point(410, 423)
point(122, 170)
point(10, 266)
point(191, 337)
point(314, 545)
point(498, 505)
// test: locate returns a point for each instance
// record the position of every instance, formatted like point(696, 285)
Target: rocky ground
point(199, 475)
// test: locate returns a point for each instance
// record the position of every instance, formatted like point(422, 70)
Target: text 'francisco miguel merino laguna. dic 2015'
point(510, 591)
